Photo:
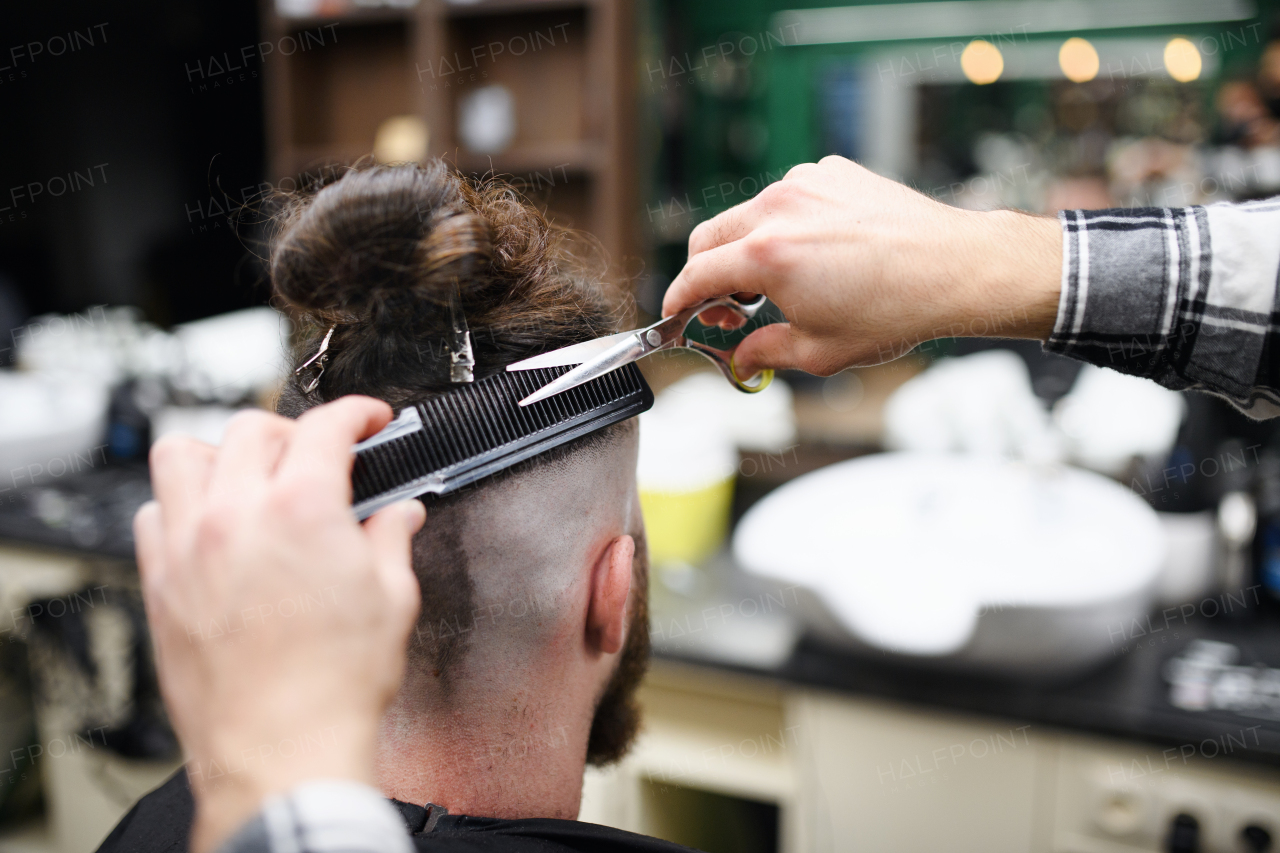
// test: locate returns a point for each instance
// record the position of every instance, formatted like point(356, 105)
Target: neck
point(510, 752)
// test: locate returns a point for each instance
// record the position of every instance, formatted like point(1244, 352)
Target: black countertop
point(90, 512)
point(1127, 697)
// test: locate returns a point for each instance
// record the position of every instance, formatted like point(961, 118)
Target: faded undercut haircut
point(385, 255)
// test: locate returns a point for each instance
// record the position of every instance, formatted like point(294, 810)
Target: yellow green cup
point(686, 526)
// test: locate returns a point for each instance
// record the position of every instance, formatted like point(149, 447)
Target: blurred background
point(975, 598)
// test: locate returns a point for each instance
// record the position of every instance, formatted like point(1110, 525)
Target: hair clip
point(462, 360)
point(319, 360)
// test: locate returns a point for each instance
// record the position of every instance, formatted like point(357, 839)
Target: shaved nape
point(497, 561)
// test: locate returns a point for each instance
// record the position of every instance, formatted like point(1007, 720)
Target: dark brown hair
point(378, 254)
point(383, 255)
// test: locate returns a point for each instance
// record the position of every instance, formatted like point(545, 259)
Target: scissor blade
point(572, 354)
point(625, 351)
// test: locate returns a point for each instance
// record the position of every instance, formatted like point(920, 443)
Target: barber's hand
point(865, 269)
point(279, 621)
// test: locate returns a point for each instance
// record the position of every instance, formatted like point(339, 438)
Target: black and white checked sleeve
point(1184, 296)
point(324, 816)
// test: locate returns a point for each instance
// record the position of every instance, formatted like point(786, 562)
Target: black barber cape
point(161, 823)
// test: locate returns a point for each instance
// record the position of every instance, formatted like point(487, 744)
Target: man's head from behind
point(524, 576)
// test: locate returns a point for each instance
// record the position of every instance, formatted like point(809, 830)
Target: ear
point(610, 585)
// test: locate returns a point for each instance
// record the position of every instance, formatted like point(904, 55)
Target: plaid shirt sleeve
point(1186, 297)
point(324, 816)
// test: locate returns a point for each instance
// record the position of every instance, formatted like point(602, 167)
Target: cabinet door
point(875, 776)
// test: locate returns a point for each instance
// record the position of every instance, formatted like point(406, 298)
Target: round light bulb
point(1078, 60)
point(982, 62)
point(401, 139)
point(1182, 60)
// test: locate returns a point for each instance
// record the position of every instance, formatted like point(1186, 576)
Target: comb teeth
point(478, 429)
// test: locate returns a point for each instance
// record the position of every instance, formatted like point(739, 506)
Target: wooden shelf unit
point(567, 63)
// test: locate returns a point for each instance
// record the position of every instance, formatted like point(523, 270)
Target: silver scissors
point(598, 357)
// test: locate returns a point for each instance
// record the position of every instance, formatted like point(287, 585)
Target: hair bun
point(379, 254)
point(384, 246)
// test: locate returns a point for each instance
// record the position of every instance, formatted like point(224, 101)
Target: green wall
point(731, 139)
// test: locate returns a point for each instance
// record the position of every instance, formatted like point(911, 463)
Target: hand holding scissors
point(598, 357)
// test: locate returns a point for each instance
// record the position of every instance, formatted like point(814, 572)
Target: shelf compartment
point(531, 54)
point(575, 157)
point(343, 92)
point(502, 7)
point(354, 16)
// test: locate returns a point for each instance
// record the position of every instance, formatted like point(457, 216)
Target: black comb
point(475, 430)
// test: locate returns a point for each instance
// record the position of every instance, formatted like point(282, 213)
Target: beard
point(617, 719)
